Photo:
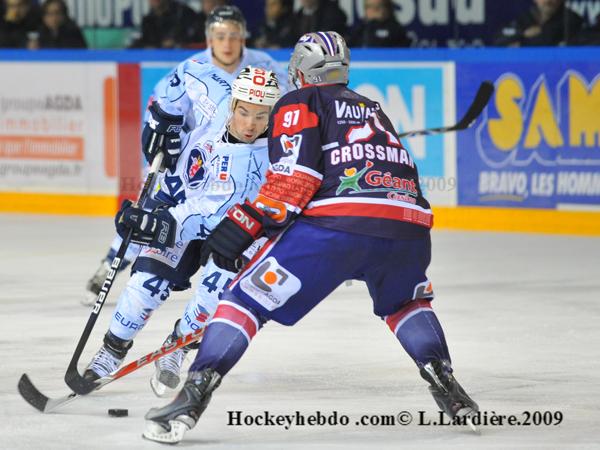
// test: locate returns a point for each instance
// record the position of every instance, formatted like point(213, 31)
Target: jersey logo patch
point(270, 284)
point(223, 168)
point(195, 171)
point(291, 149)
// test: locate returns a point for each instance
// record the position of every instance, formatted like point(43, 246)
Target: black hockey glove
point(154, 229)
point(161, 134)
point(235, 233)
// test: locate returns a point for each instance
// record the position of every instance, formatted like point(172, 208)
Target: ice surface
point(521, 314)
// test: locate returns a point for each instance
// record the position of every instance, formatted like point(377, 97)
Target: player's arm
point(293, 178)
point(166, 117)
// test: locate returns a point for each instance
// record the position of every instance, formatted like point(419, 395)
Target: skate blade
point(156, 432)
point(468, 414)
point(159, 389)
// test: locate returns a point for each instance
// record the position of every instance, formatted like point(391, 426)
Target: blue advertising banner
point(537, 144)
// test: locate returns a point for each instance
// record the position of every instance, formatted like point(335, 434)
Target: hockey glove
point(155, 229)
point(235, 233)
point(161, 134)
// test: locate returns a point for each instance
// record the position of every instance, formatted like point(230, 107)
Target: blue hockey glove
point(155, 229)
point(233, 235)
point(161, 134)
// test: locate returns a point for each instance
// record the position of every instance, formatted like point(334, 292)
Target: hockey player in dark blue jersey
point(342, 201)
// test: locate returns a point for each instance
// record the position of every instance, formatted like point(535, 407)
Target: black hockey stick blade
point(74, 380)
point(39, 401)
point(44, 404)
point(484, 93)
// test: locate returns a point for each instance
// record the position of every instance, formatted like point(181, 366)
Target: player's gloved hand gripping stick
point(241, 227)
point(72, 377)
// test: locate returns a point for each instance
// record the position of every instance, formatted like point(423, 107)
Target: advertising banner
point(58, 131)
point(416, 96)
point(537, 144)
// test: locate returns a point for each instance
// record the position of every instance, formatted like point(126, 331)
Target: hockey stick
point(44, 404)
point(484, 93)
point(72, 377)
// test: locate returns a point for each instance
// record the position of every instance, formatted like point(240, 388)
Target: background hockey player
point(224, 58)
point(218, 168)
point(342, 201)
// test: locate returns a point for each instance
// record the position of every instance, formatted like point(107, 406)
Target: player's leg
point(402, 295)
point(199, 310)
point(144, 293)
point(286, 279)
point(155, 274)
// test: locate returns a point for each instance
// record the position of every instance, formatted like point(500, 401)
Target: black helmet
point(222, 13)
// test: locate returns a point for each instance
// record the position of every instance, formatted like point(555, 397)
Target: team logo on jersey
point(423, 290)
point(271, 284)
point(195, 171)
point(291, 148)
point(290, 145)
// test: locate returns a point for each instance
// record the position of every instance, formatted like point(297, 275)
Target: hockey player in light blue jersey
point(219, 166)
point(225, 36)
point(196, 89)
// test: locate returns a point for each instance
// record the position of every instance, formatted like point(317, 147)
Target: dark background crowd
point(175, 24)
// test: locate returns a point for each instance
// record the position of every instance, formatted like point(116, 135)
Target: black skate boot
point(447, 393)
point(169, 423)
point(168, 367)
point(108, 358)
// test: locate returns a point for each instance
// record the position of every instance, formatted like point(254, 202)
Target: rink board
point(69, 135)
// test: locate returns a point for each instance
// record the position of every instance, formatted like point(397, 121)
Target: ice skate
point(108, 358)
point(170, 423)
point(94, 284)
point(168, 368)
point(447, 393)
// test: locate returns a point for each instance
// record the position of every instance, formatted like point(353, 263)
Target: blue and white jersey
point(250, 57)
point(213, 173)
point(200, 92)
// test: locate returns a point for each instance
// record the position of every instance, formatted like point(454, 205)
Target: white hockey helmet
point(255, 85)
point(321, 57)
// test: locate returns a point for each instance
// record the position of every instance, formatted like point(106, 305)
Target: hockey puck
point(118, 412)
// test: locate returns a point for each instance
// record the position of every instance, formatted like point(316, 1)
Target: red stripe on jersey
point(376, 211)
point(292, 119)
point(394, 319)
point(295, 190)
point(237, 316)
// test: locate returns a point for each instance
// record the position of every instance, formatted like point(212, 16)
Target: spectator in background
point(57, 30)
point(169, 24)
point(20, 18)
point(277, 30)
point(379, 27)
point(316, 15)
point(549, 23)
